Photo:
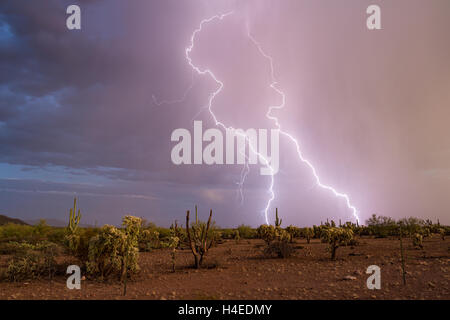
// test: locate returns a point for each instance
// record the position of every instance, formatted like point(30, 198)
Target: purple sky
point(370, 109)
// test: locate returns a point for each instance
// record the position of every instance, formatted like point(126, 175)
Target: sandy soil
point(240, 271)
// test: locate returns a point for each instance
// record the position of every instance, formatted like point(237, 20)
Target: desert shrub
point(412, 225)
point(16, 232)
point(149, 240)
point(14, 247)
point(227, 233)
point(57, 235)
point(246, 232)
point(381, 226)
point(164, 233)
point(336, 237)
point(33, 261)
point(41, 230)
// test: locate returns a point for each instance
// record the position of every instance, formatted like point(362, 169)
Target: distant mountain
point(55, 223)
point(5, 220)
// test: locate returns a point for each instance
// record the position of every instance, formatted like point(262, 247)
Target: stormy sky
point(370, 109)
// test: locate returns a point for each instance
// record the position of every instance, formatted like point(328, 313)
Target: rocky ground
point(240, 271)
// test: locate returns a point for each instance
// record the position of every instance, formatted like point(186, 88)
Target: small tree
point(336, 237)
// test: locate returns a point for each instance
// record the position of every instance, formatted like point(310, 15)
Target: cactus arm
point(207, 230)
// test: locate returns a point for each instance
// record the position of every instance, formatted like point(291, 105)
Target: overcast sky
point(370, 109)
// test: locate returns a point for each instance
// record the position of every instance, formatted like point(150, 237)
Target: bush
point(149, 240)
point(16, 232)
point(227, 233)
point(33, 261)
point(246, 232)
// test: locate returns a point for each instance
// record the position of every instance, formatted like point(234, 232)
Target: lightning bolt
point(274, 86)
point(218, 123)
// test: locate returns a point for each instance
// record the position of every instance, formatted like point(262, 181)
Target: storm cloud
point(78, 115)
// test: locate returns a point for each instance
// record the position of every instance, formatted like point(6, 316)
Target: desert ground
point(239, 271)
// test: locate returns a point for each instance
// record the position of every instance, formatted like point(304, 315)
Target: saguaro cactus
point(277, 221)
point(198, 239)
point(74, 218)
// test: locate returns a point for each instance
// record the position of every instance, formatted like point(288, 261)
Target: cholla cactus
point(199, 238)
point(115, 251)
point(148, 239)
point(266, 232)
point(236, 235)
point(293, 231)
point(417, 240)
point(277, 239)
point(308, 233)
point(282, 235)
point(336, 237)
point(173, 244)
point(426, 231)
point(442, 233)
point(106, 252)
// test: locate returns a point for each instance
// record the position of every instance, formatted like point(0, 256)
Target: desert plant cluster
point(112, 252)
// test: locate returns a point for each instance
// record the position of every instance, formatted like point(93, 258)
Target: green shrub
point(246, 232)
point(149, 240)
point(16, 232)
point(33, 261)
